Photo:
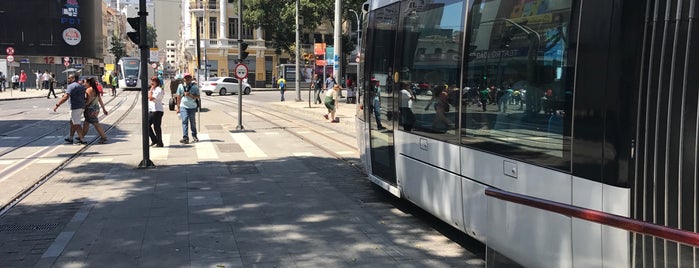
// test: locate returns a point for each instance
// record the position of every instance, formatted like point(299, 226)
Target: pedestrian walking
point(113, 82)
point(45, 78)
point(52, 81)
point(92, 109)
point(407, 118)
point(76, 94)
point(187, 95)
point(37, 73)
point(317, 86)
point(155, 112)
point(2, 81)
point(282, 86)
point(23, 81)
point(332, 98)
point(15, 81)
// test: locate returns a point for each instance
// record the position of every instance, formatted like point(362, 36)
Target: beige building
point(218, 23)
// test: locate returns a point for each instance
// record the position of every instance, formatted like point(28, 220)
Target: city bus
point(129, 75)
point(559, 133)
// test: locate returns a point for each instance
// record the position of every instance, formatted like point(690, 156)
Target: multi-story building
point(218, 30)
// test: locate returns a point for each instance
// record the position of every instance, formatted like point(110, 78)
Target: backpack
point(282, 85)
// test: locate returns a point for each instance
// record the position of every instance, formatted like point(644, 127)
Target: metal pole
point(143, 46)
point(359, 42)
point(337, 66)
point(298, 57)
point(240, 59)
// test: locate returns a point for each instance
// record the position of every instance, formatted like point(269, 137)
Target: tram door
point(381, 43)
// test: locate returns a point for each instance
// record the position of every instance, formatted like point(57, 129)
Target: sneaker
point(79, 141)
point(69, 140)
point(335, 121)
point(195, 139)
point(326, 116)
point(184, 141)
point(159, 145)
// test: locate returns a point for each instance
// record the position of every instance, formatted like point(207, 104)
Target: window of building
point(213, 27)
point(233, 29)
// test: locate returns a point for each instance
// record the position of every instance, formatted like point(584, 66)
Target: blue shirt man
point(187, 95)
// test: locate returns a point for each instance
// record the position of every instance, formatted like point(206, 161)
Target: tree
point(278, 17)
point(152, 36)
point(117, 49)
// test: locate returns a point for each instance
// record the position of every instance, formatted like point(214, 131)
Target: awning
point(70, 70)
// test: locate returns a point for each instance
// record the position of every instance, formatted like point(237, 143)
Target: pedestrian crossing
point(205, 149)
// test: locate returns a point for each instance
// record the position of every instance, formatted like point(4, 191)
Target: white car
point(223, 85)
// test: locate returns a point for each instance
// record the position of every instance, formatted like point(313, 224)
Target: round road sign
point(10, 58)
point(66, 64)
point(154, 65)
point(10, 50)
point(241, 71)
point(66, 59)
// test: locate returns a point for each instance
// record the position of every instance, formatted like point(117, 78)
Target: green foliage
point(278, 17)
point(117, 49)
point(152, 36)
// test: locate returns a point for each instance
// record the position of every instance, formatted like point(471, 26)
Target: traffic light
point(135, 23)
point(243, 54)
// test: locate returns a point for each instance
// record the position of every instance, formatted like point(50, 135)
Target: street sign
point(24, 61)
point(66, 59)
point(241, 71)
point(154, 65)
point(10, 50)
point(66, 64)
point(78, 65)
point(10, 58)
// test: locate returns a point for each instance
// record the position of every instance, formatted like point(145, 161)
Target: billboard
point(49, 28)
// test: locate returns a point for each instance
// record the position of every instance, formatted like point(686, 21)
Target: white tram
point(129, 73)
point(561, 133)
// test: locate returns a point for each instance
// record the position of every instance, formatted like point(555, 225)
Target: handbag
point(172, 104)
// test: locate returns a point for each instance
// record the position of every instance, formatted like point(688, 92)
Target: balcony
point(216, 43)
point(199, 5)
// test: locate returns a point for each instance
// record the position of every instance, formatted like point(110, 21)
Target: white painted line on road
point(50, 160)
point(53, 137)
point(10, 138)
point(205, 149)
point(101, 160)
point(330, 132)
point(303, 132)
point(6, 162)
point(250, 148)
point(161, 153)
point(345, 152)
point(272, 133)
point(303, 154)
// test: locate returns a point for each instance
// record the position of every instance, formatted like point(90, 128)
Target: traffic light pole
point(143, 46)
point(240, 57)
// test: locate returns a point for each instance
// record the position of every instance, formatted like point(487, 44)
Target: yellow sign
point(109, 67)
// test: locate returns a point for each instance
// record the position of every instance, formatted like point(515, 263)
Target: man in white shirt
point(38, 79)
point(45, 79)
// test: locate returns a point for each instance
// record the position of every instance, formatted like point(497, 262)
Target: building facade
point(46, 34)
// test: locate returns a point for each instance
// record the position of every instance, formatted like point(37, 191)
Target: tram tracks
point(302, 127)
point(37, 182)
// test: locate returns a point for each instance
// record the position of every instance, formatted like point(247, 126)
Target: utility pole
point(298, 57)
point(240, 58)
point(337, 66)
point(143, 46)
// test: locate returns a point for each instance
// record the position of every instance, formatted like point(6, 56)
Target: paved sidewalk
point(217, 203)
point(16, 94)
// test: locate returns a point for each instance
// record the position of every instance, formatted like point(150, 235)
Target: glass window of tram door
point(519, 80)
point(378, 100)
point(430, 67)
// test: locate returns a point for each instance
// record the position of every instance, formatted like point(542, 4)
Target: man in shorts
point(76, 94)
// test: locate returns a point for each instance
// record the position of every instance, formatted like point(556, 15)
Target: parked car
point(224, 85)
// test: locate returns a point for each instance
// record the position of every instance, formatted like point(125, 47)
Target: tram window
point(431, 67)
point(518, 76)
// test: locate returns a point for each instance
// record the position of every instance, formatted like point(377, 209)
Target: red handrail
point(681, 236)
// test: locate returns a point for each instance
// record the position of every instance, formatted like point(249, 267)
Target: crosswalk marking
point(304, 154)
point(272, 133)
point(160, 153)
point(50, 160)
point(10, 138)
point(346, 152)
point(329, 132)
point(101, 160)
point(205, 149)
point(6, 162)
point(303, 132)
point(250, 148)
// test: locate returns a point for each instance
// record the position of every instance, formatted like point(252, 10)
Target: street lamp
point(359, 40)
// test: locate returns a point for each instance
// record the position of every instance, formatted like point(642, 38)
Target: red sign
point(241, 71)
point(66, 64)
point(320, 62)
point(10, 50)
